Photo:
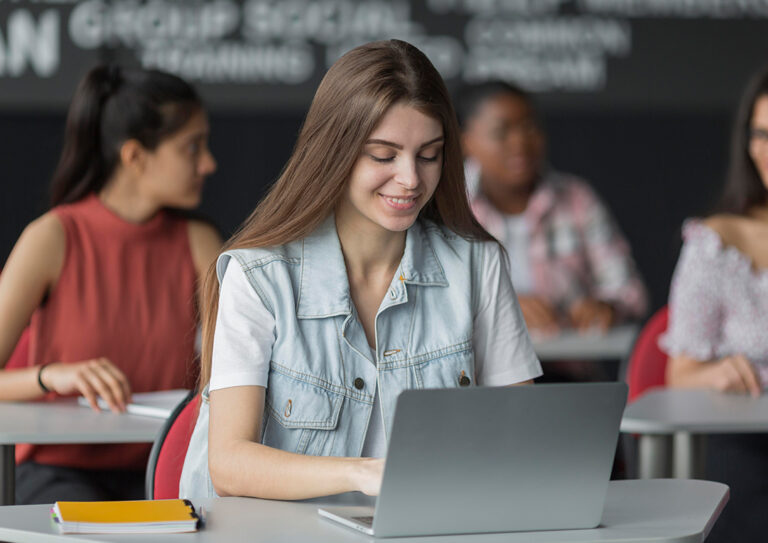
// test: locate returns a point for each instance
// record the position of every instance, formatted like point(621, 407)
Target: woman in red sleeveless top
point(107, 278)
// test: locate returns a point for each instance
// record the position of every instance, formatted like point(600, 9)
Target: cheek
point(365, 181)
point(435, 176)
point(759, 155)
point(492, 153)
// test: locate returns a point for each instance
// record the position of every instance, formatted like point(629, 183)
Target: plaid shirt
point(576, 250)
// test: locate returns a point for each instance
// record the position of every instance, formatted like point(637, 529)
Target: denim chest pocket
point(300, 417)
point(447, 370)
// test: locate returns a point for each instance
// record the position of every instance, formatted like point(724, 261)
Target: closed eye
point(382, 159)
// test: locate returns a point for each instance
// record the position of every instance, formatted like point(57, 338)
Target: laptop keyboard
point(368, 521)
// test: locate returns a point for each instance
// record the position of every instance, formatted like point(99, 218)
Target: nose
point(207, 163)
point(408, 175)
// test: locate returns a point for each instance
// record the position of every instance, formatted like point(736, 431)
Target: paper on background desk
point(157, 404)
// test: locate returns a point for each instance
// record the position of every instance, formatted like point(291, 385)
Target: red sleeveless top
point(126, 292)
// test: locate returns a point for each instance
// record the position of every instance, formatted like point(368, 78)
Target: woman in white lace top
point(718, 324)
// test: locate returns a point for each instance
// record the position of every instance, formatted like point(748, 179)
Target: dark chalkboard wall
point(637, 94)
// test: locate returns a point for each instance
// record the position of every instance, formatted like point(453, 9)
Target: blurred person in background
point(717, 336)
point(570, 264)
point(107, 279)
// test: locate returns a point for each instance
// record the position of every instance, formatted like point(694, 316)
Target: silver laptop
point(464, 461)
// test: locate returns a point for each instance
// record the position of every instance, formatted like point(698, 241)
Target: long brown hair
point(351, 99)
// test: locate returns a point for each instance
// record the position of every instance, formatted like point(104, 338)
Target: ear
point(133, 156)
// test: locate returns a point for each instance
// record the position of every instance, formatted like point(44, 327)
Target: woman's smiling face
point(397, 171)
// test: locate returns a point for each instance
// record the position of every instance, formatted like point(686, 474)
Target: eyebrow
point(400, 147)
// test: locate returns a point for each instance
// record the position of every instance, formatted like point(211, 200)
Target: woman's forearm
point(20, 384)
point(734, 373)
point(245, 468)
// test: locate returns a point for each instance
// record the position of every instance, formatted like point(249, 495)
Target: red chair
point(167, 456)
point(647, 363)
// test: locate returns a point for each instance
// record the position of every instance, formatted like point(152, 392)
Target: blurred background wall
point(637, 95)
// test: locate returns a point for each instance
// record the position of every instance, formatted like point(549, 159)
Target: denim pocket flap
point(298, 404)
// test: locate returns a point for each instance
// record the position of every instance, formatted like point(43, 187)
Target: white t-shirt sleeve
point(245, 334)
point(504, 353)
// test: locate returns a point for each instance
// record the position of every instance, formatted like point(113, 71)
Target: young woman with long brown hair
point(361, 274)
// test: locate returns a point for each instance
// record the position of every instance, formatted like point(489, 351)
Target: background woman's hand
point(369, 474)
point(540, 316)
point(589, 313)
point(735, 374)
point(94, 378)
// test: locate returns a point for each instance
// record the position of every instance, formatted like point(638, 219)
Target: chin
point(396, 224)
point(190, 202)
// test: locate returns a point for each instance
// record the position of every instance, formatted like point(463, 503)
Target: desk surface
point(668, 410)
point(651, 510)
point(615, 344)
point(64, 421)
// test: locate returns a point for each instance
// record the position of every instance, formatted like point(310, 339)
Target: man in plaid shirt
point(569, 263)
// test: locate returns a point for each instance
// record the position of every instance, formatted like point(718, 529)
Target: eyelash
point(390, 159)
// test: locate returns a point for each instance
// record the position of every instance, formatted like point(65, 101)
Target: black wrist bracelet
point(40, 379)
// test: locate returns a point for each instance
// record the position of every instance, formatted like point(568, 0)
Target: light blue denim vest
point(322, 376)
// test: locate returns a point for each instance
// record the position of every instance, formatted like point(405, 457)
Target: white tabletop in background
point(615, 344)
point(669, 410)
point(63, 421)
point(649, 510)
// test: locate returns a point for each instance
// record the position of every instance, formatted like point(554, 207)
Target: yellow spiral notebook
point(140, 516)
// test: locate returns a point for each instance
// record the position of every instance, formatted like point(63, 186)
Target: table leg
point(682, 463)
point(689, 455)
point(654, 452)
point(7, 474)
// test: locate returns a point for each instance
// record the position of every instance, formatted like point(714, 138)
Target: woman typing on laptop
point(360, 275)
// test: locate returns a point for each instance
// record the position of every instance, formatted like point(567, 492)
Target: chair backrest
point(648, 363)
point(169, 450)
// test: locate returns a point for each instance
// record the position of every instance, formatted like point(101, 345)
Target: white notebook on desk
point(157, 404)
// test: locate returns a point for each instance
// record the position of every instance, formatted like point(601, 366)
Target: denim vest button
point(359, 383)
point(464, 380)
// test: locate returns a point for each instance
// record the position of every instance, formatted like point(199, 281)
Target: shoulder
point(570, 196)
point(45, 233)
point(42, 246)
point(46, 226)
point(702, 244)
point(571, 188)
point(204, 243)
point(729, 228)
point(456, 251)
point(253, 258)
point(440, 236)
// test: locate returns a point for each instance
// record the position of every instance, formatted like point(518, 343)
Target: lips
point(400, 203)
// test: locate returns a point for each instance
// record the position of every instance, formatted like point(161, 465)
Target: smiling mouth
point(400, 203)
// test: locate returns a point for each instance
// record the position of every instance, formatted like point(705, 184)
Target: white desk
point(62, 422)
point(615, 344)
point(649, 510)
point(674, 422)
